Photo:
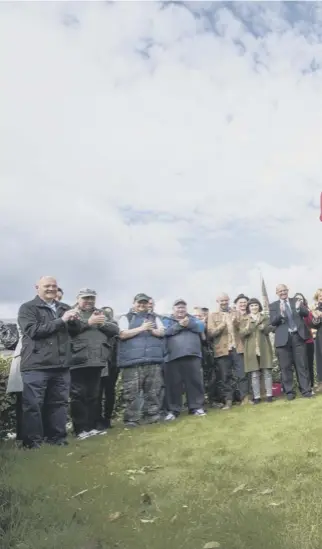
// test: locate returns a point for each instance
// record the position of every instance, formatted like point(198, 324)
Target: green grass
point(195, 481)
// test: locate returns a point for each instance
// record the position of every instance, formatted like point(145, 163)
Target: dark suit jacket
point(276, 319)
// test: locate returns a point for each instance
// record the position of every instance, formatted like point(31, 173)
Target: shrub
point(7, 401)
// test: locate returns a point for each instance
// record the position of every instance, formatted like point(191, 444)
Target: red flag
point(321, 207)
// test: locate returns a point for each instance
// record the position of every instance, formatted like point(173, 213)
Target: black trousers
point(187, 372)
point(225, 365)
point(44, 392)
point(310, 361)
point(106, 397)
point(84, 394)
point(294, 352)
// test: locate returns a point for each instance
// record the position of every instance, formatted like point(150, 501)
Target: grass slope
point(245, 479)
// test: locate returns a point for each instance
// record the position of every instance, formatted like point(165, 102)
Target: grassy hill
point(245, 479)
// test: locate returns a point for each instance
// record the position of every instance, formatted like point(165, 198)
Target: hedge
point(7, 401)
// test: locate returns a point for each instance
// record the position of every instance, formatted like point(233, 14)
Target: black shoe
point(31, 446)
point(290, 397)
point(130, 424)
point(269, 399)
point(61, 442)
point(257, 401)
point(308, 395)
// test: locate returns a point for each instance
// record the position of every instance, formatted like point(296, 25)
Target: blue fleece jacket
point(179, 341)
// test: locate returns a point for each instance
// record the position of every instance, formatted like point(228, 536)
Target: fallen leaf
point(80, 493)
point(147, 521)
point(267, 491)
point(211, 545)
point(174, 518)
point(274, 504)
point(185, 506)
point(249, 489)
point(86, 490)
point(114, 516)
point(239, 488)
point(70, 454)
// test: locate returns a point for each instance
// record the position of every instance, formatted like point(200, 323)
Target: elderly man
point(46, 325)
point(91, 350)
point(141, 354)
point(183, 361)
point(221, 332)
point(287, 316)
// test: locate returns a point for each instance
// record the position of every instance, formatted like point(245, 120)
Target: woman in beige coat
point(258, 355)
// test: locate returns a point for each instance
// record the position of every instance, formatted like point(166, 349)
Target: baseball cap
point(179, 301)
point(86, 292)
point(141, 297)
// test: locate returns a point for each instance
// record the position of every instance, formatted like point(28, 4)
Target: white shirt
point(124, 323)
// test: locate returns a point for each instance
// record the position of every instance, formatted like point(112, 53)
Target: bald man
point(220, 332)
point(287, 315)
point(46, 325)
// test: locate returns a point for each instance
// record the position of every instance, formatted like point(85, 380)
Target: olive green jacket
point(255, 335)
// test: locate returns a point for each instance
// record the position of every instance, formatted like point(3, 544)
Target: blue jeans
point(45, 395)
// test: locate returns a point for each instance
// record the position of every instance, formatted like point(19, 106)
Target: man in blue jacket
point(140, 356)
point(183, 360)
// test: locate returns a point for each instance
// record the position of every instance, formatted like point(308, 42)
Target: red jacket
point(308, 320)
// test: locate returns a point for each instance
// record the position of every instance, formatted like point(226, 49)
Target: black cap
point(179, 301)
point(252, 301)
point(241, 296)
point(141, 297)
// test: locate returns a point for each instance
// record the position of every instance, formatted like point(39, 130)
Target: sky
point(167, 148)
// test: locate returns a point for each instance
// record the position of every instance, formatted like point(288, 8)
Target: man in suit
point(286, 315)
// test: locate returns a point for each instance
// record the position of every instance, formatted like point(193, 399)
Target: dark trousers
point(106, 397)
point(185, 371)
point(214, 385)
point(318, 356)
point(242, 379)
point(294, 353)
point(310, 361)
point(84, 394)
point(225, 365)
point(163, 396)
point(46, 390)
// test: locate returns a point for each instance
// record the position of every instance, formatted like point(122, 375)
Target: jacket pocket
point(79, 353)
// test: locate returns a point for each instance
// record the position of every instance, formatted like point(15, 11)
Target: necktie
point(290, 320)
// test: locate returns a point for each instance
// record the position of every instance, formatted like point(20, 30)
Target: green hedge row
point(7, 401)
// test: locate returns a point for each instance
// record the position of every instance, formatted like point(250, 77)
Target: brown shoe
point(245, 401)
point(228, 405)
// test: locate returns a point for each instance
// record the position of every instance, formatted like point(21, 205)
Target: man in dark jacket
point(140, 356)
point(46, 325)
point(287, 316)
point(183, 361)
point(91, 350)
point(109, 376)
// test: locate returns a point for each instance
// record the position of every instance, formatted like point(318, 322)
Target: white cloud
point(212, 139)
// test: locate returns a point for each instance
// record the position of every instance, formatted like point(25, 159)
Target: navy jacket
point(181, 342)
point(45, 336)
